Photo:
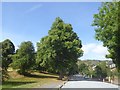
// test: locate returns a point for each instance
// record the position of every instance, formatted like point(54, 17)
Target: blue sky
point(25, 21)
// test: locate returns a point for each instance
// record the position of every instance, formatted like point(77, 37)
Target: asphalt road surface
point(78, 81)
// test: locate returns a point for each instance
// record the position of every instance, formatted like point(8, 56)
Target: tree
point(107, 23)
point(101, 70)
point(24, 58)
point(83, 69)
point(7, 49)
point(60, 49)
point(98, 72)
point(73, 69)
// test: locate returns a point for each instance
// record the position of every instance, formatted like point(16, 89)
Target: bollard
point(111, 81)
point(103, 80)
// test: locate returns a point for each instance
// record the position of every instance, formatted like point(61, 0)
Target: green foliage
point(73, 69)
point(101, 70)
point(60, 49)
point(83, 69)
point(107, 23)
point(7, 49)
point(115, 73)
point(98, 72)
point(24, 58)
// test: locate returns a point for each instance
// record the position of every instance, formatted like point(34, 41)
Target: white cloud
point(88, 48)
point(94, 51)
point(99, 49)
point(34, 8)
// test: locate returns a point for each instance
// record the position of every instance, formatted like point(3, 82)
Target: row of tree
point(57, 52)
point(100, 70)
point(23, 59)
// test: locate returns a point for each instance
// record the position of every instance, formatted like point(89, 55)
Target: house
point(93, 67)
point(110, 64)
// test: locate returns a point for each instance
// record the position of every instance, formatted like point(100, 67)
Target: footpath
point(52, 85)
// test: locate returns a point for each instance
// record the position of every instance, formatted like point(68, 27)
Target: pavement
point(53, 84)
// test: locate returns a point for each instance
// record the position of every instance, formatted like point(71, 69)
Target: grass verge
point(34, 80)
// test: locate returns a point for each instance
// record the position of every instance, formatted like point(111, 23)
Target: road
point(78, 81)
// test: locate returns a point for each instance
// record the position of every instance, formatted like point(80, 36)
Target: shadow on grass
point(39, 76)
point(10, 84)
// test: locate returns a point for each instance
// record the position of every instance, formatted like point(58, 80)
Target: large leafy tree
point(7, 49)
point(60, 49)
point(24, 57)
point(107, 23)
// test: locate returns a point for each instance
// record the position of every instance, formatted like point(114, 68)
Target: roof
point(110, 63)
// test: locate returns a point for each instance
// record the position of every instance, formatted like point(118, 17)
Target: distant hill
point(92, 62)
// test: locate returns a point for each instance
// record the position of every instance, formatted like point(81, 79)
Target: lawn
point(34, 80)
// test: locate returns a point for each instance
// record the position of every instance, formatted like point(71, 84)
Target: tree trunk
point(61, 75)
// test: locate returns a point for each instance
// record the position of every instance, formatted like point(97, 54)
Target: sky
point(30, 21)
